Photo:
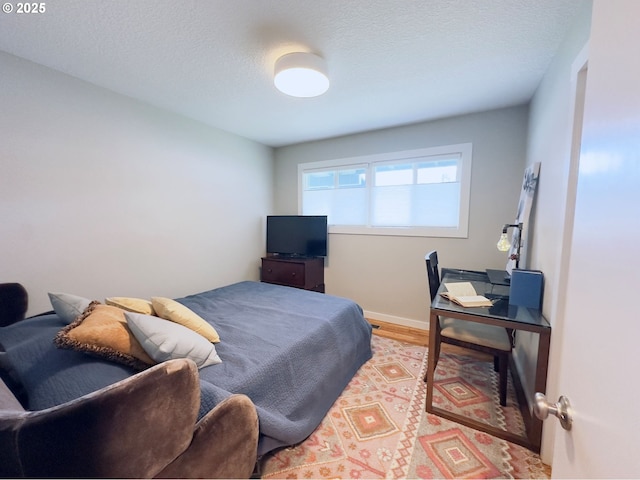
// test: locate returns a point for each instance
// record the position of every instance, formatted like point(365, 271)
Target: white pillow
point(68, 306)
point(166, 340)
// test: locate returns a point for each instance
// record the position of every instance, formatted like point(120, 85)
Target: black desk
point(501, 314)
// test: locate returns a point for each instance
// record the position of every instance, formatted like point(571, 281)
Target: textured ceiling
point(391, 62)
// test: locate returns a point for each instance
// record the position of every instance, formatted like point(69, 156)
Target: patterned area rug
point(378, 427)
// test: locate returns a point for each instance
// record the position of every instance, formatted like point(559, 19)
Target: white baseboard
point(406, 322)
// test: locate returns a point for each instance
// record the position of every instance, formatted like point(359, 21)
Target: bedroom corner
point(105, 195)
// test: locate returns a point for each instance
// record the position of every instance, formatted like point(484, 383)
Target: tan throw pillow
point(102, 331)
point(176, 312)
point(135, 305)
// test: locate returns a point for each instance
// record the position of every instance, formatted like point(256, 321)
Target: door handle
point(542, 408)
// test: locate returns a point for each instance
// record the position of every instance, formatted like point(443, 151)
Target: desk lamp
point(504, 245)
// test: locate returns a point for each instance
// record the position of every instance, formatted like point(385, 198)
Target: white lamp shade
point(301, 75)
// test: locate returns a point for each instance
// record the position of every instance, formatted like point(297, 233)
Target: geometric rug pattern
point(378, 427)
point(470, 387)
point(460, 392)
point(456, 456)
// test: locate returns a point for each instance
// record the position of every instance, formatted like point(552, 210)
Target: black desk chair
point(475, 336)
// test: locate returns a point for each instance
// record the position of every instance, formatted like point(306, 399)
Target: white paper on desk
point(461, 289)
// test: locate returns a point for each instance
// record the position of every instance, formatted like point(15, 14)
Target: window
point(418, 192)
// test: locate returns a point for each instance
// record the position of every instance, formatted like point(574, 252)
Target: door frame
point(579, 71)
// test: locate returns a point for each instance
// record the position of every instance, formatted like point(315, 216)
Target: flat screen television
point(297, 235)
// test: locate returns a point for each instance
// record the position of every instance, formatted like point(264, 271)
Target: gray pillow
point(166, 340)
point(68, 306)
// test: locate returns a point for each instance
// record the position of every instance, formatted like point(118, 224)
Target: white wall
point(549, 142)
point(101, 195)
point(386, 275)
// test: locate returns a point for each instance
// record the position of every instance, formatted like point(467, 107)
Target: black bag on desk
point(526, 288)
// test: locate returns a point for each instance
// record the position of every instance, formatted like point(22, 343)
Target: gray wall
point(101, 195)
point(386, 274)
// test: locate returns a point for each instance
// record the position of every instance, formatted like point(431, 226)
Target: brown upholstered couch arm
point(136, 428)
point(225, 443)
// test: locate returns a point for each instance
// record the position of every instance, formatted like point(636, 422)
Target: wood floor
point(400, 332)
point(417, 336)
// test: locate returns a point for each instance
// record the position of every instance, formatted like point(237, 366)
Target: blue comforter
point(291, 351)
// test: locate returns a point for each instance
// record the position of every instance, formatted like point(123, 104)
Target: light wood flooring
point(400, 332)
point(418, 337)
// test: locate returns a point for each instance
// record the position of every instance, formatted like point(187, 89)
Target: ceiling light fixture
point(301, 75)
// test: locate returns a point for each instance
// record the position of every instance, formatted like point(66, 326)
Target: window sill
point(445, 232)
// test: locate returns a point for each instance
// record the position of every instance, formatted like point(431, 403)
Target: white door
point(600, 352)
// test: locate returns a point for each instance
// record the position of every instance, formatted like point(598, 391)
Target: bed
point(291, 351)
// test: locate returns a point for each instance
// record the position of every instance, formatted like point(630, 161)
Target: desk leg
point(542, 363)
point(431, 360)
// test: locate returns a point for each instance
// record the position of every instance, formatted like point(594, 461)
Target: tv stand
point(294, 271)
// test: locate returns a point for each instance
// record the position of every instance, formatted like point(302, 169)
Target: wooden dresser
point(300, 272)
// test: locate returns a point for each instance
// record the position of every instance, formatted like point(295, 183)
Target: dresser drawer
point(305, 272)
point(285, 273)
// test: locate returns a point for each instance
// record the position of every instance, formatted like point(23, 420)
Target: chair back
point(431, 259)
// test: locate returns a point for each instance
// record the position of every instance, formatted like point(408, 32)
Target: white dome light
point(301, 75)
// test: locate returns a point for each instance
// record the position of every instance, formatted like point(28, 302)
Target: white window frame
point(461, 231)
